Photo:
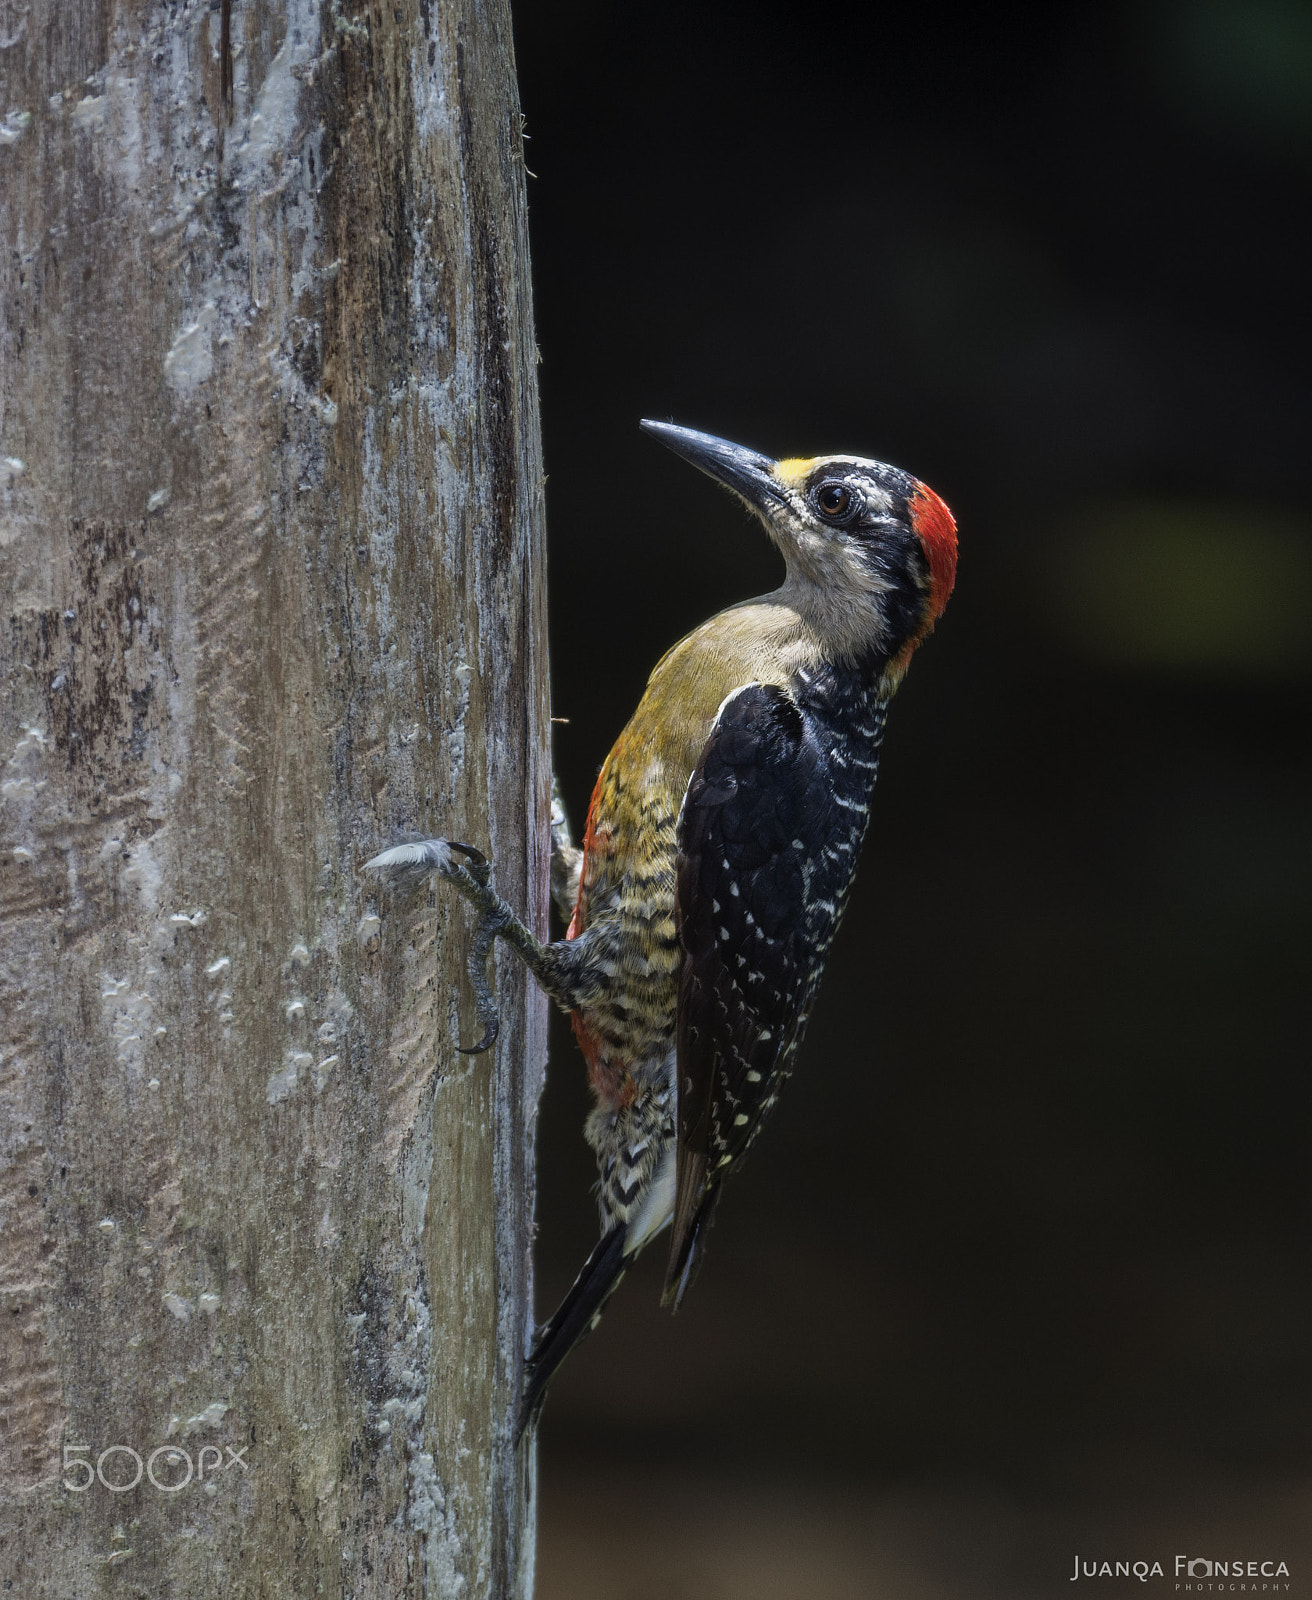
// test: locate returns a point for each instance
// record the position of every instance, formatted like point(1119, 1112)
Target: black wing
point(769, 835)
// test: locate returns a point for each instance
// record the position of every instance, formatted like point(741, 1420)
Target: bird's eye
point(834, 500)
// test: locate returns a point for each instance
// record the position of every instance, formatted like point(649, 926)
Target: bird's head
point(871, 552)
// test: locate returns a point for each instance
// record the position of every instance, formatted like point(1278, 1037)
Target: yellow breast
point(630, 839)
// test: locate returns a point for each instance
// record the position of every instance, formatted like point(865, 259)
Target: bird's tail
point(686, 1250)
point(575, 1317)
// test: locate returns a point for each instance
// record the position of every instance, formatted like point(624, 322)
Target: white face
point(856, 569)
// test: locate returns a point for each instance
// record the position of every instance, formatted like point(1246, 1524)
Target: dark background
point(1019, 1271)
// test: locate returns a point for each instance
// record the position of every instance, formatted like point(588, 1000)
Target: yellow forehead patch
point(793, 472)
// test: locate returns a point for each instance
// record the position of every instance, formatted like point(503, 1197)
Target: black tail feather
point(684, 1267)
point(572, 1321)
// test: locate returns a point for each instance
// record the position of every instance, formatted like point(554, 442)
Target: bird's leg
point(495, 917)
point(552, 965)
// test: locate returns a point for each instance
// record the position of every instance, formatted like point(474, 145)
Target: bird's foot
point(405, 864)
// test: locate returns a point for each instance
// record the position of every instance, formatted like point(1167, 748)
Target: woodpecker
point(720, 846)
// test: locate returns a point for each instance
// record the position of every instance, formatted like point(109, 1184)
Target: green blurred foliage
point(1195, 589)
point(1237, 66)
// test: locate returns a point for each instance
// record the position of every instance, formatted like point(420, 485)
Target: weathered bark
point(272, 592)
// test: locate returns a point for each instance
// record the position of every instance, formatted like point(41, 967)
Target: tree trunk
point(272, 588)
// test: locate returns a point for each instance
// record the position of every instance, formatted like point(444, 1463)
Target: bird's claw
point(485, 935)
point(479, 868)
point(472, 877)
point(485, 1043)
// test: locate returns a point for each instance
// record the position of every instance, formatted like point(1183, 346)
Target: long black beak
point(744, 471)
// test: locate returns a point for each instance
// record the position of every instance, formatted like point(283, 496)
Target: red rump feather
point(938, 534)
point(608, 1079)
